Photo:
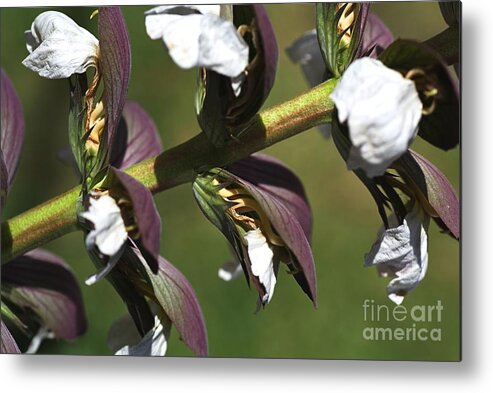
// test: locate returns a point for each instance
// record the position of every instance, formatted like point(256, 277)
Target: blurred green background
point(345, 217)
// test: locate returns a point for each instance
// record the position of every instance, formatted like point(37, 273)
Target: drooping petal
point(41, 282)
point(109, 234)
point(146, 216)
point(402, 252)
point(137, 137)
point(115, 65)
point(433, 188)
point(59, 47)
point(281, 196)
point(199, 40)
point(179, 301)
point(382, 110)
point(262, 264)
point(124, 338)
point(12, 123)
point(7, 342)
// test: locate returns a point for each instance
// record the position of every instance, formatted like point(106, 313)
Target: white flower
point(382, 109)
point(109, 233)
point(154, 343)
point(262, 266)
point(59, 47)
point(402, 252)
point(196, 36)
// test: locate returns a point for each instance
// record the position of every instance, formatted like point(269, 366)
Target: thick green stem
point(178, 165)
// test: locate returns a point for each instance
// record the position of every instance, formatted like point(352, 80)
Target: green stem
point(173, 167)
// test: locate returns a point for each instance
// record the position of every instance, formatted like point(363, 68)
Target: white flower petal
point(382, 109)
point(180, 34)
point(58, 47)
point(261, 256)
point(403, 253)
point(154, 343)
point(221, 47)
point(230, 270)
point(109, 233)
point(197, 40)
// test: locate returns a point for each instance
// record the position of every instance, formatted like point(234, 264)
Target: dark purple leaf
point(137, 137)
point(115, 64)
point(270, 51)
point(7, 343)
point(12, 123)
point(376, 37)
point(177, 298)
point(280, 195)
point(442, 127)
point(42, 282)
point(146, 217)
point(434, 187)
point(358, 32)
point(271, 175)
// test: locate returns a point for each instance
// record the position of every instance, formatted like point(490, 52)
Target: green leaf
point(76, 118)
point(331, 31)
